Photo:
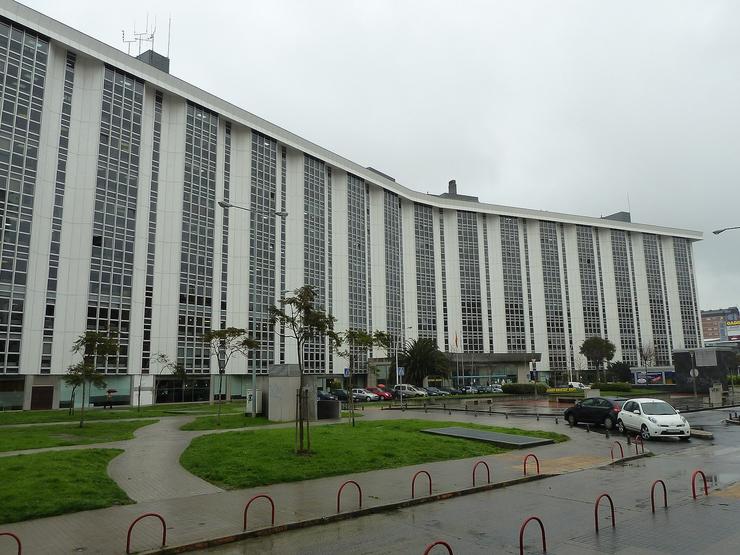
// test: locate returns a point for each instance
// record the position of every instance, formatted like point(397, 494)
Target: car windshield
point(657, 408)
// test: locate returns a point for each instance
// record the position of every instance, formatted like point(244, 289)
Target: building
point(716, 323)
point(111, 174)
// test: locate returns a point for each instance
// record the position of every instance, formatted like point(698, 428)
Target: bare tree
point(224, 344)
point(648, 354)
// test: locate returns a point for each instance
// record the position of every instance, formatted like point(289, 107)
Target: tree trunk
point(218, 413)
point(139, 400)
point(82, 406)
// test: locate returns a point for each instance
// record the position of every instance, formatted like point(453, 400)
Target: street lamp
point(718, 231)
point(278, 214)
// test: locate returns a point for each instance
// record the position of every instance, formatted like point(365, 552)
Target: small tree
point(647, 354)
point(597, 350)
point(95, 347)
point(357, 341)
point(620, 371)
point(224, 344)
point(422, 358)
point(303, 321)
point(175, 368)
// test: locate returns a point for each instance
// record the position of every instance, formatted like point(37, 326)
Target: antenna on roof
point(147, 36)
point(169, 34)
point(629, 208)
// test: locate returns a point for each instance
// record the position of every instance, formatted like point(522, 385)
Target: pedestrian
point(109, 400)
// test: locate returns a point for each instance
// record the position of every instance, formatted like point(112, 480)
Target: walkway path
point(150, 473)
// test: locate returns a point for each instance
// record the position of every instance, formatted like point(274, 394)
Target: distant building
point(722, 324)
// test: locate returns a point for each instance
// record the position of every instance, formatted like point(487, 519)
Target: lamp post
point(277, 214)
point(398, 348)
point(718, 231)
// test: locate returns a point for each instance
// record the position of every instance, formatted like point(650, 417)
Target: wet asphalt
point(490, 522)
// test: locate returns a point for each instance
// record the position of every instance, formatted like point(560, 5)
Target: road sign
point(694, 372)
point(346, 372)
point(401, 371)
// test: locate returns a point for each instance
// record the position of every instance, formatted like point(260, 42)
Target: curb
point(296, 525)
point(317, 521)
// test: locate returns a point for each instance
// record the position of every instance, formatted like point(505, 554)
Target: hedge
point(523, 388)
point(616, 386)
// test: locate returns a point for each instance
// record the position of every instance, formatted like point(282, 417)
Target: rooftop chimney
point(453, 187)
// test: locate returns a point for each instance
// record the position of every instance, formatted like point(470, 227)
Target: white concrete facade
point(622, 309)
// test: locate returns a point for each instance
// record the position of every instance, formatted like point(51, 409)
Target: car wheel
point(620, 427)
point(608, 423)
point(572, 420)
point(644, 432)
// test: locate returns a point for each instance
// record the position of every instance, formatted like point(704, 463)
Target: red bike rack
point(18, 541)
point(339, 493)
point(535, 460)
point(488, 470)
point(642, 444)
point(521, 534)
point(438, 542)
point(693, 482)
point(621, 450)
point(130, 528)
point(596, 510)
point(652, 494)
point(263, 496)
point(413, 482)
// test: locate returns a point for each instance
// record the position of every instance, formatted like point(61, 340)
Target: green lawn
point(36, 437)
point(62, 415)
point(228, 421)
point(241, 460)
point(46, 484)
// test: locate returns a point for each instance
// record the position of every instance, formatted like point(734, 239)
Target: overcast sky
point(569, 106)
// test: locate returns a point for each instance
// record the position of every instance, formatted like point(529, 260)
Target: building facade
point(722, 324)
point(111, 174)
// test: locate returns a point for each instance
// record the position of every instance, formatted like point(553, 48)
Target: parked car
point(653, 418)
point(578, 385)
point(495, 388)
point(362, 394)
point(451, 390)
point(468, 389)
point(595, 410)
point(325, 396)
point(382, 393)
point(340, 394)
point(436, 392)
point(407, 390)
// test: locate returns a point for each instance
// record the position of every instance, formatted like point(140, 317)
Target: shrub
point(523, 388)
point(734, 379)
point(624, 387)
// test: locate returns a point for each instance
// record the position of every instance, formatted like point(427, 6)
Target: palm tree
point(422, 358)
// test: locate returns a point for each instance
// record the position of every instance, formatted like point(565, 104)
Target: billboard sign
point(733, 330)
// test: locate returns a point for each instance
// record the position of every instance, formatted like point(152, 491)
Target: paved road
point(489, 522)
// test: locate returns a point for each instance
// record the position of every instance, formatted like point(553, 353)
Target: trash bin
point(328, 410)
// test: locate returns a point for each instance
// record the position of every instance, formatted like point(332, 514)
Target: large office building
point(111, 174)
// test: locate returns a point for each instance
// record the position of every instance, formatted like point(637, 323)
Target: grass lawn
point(36, 437)
point(228, 421)
point(241, 460)
point(46, 484)
point(62, 415)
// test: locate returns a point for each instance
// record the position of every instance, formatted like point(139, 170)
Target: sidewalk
point(195, 510)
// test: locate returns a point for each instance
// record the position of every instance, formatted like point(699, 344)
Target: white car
point(577, 385)
point(361, 394)
point(408, 390)
point(652, 418)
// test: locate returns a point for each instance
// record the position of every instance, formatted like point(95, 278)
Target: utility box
point(715, 395)
point(588, 393)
